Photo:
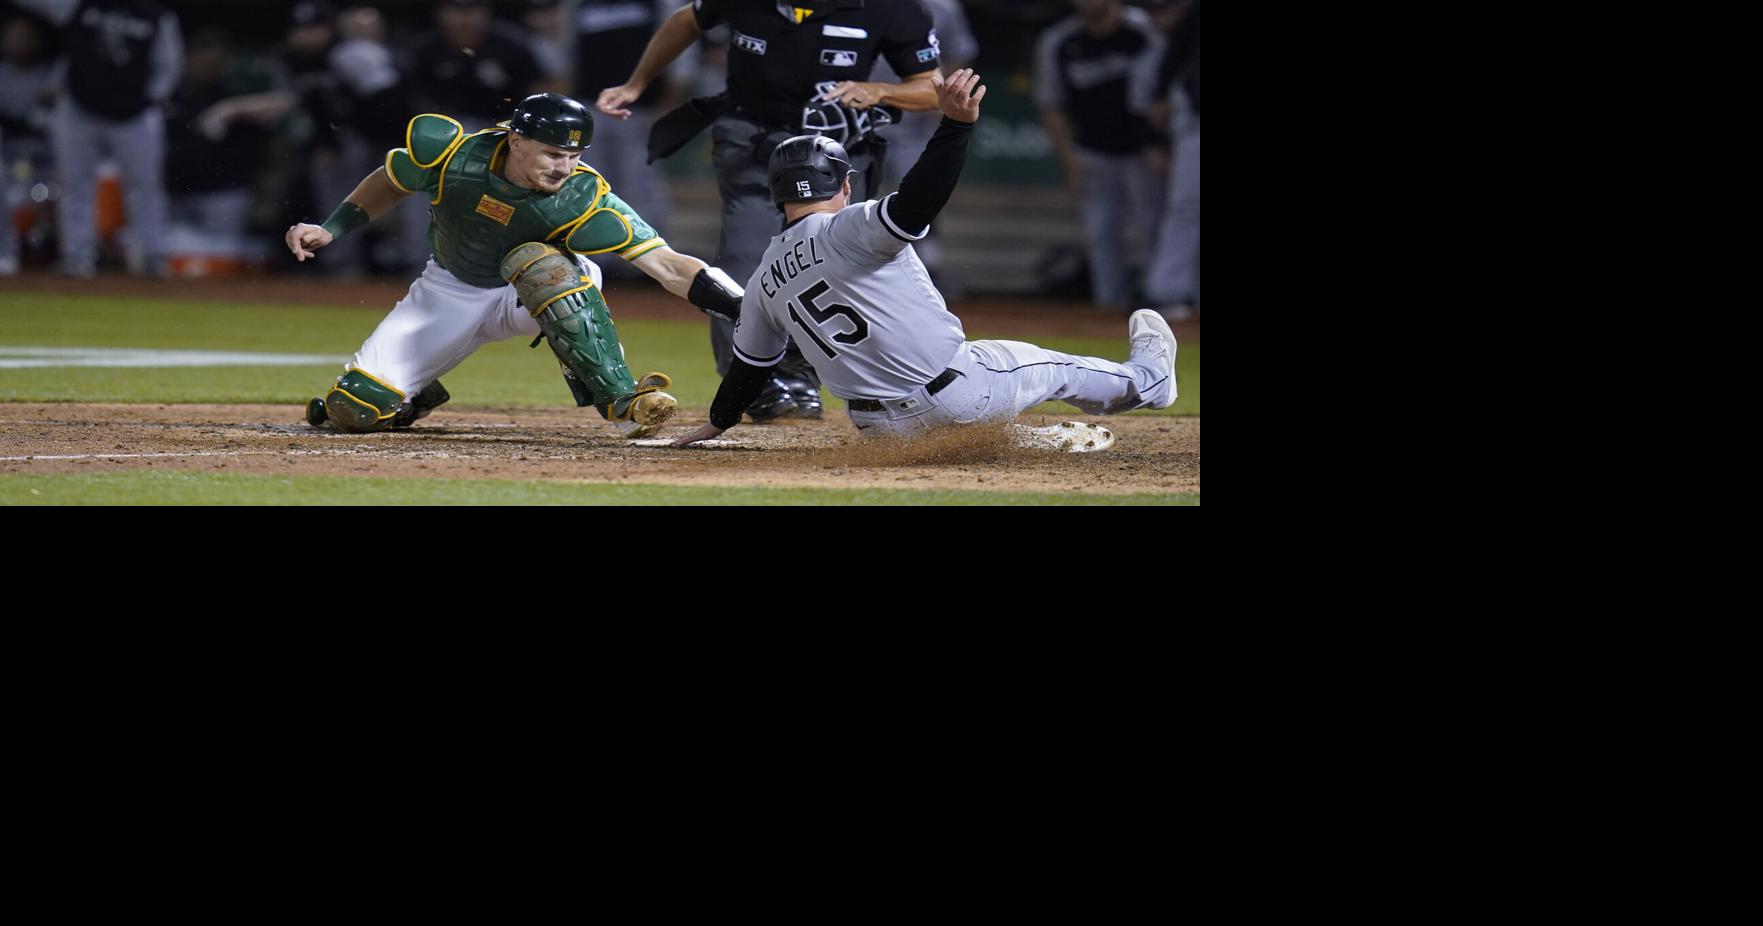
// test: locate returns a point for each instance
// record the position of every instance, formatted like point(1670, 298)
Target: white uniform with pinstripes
point(850, 289)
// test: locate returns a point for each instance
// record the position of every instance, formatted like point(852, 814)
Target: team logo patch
point(495, 209)
point(748, 43)
point(835, 58)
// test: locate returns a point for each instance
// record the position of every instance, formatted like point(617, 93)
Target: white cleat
point(1153, 345)
point(1069, 437)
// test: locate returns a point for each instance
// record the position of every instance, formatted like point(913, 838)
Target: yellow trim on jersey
point(457, 140)
point(501, 148)
point(376, 379)
point(629, 232)
point(358, 401)
point(392, 174)
point(572, 224)
point(602, 187)
point(568, 292)
point(441, 185)
point(644, 248)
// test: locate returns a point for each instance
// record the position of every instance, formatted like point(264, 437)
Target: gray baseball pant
point(137, 145)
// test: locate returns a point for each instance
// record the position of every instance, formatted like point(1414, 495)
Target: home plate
point(668, 442)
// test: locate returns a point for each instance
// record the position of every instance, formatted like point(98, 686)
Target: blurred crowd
point(181, 137)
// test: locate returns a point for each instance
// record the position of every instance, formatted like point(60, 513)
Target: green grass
point(187, 488)
point(504, 374)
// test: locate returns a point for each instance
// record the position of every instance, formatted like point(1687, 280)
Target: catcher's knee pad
point(541, 275)
point(358, 402)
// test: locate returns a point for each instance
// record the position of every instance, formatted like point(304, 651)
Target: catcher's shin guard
point(358, 402)
point(574, 320)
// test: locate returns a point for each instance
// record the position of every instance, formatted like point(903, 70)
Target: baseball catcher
point(512, 214)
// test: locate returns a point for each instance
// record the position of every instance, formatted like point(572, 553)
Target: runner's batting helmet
point(807, 168)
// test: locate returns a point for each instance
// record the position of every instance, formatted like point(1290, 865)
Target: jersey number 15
point(857, 335)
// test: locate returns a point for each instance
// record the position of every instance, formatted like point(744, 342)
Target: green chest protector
point(477, 216)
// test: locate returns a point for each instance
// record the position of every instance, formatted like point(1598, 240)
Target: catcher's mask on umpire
point(555, 120)
point(807, 168)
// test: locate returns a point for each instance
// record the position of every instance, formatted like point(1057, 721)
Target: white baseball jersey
point(851, 290)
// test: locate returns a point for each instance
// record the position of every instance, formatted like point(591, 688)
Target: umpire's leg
point(749, 217)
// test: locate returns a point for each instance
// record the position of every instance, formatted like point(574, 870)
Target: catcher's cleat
point(649, 408)
point(315, 414)
point(432, 396)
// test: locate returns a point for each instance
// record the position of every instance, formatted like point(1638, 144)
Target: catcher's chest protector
point(478, 217)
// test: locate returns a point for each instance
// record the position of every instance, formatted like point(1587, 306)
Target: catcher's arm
point(373, 197)
point(691, 279)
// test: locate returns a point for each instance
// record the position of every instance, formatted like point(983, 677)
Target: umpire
point(794, 68)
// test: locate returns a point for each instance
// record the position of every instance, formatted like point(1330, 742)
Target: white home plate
point(1069, 436)
point(668, 442)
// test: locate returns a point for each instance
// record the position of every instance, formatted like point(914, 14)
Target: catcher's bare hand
point(958, 96)
point(854, 94)
point(303, 239)
point(705, 432)
point(616, 101)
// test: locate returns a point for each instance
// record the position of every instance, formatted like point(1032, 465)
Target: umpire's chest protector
point(478, 217)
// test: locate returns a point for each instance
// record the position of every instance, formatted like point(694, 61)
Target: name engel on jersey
point(791, 265)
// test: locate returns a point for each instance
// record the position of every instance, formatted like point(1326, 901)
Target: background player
point(509, 204)
point(123, 61)
point(793, 67)
point(845, 282)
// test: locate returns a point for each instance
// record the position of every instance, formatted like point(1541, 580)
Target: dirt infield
point(1154, 454)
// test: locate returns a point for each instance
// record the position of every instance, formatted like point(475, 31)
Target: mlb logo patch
point(836, 58)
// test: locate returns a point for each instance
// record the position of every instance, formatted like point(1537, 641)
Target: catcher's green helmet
point(554, 119)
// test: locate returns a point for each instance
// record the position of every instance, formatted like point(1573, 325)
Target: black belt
point(933, 387)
